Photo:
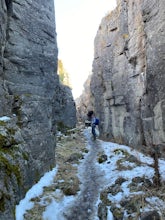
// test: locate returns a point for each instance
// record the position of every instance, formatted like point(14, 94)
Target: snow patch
point(5, 118)
point(35, 191)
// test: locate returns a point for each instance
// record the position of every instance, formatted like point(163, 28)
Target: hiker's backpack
point(96, 121)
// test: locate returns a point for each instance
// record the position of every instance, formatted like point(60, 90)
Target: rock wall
point(84, 103)
point(65, 110)
point(30, 92)
point(128, 80)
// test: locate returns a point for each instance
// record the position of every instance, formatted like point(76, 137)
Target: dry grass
point(69, 150)
point(137, 202)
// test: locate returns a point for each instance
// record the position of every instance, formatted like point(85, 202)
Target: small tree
point(63, 74)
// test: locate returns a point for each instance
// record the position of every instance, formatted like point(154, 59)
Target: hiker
point(93, 122)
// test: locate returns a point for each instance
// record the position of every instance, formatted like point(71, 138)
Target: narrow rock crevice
point(9, 6)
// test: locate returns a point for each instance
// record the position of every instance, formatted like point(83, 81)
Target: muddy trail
point(91, 177)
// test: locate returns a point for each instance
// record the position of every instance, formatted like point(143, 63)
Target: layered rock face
point(65, 110)
point(84, 103)
point(30, 92)
point(128, 81)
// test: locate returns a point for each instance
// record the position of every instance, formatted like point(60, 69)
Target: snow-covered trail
point(114, 178)
point(92, 178)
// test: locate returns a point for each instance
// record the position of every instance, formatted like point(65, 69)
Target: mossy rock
point(11, 131)
point(119, 151)
point(3, 141)
point(138, 183)
point(3, 198)
point(2, 202)
point(102, 211)
point(132, 205)
point(7, 137)
point(120, 180)
point(2, 123)
point(104, 198)
point(75, 157)
point(151, 215)
point(34, 213)
point(26, 157)
point(115, 189)
point(62, 127)
point(70, 191)
point(118, 212)
point(102, 158)
point(10, 169)
point(69, 188)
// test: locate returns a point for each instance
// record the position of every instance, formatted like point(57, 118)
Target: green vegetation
point(37, 175)
point(63, 74)
point(10, 168)
point(102, 158)
point(62, 127)
point(3, 141)
point(2, 203)
point(25, 156)
point(8, 140)
point(124, 152)
point(2, 123)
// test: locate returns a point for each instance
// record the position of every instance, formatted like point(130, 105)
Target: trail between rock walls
point(85, 205)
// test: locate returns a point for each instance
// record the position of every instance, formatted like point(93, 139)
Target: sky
point(114, 153)
point(77, 22)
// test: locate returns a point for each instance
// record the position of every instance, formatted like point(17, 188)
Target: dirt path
point(91, 177)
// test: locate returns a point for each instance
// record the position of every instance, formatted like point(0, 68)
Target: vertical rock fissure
point(9, 13)
point(6, 38)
